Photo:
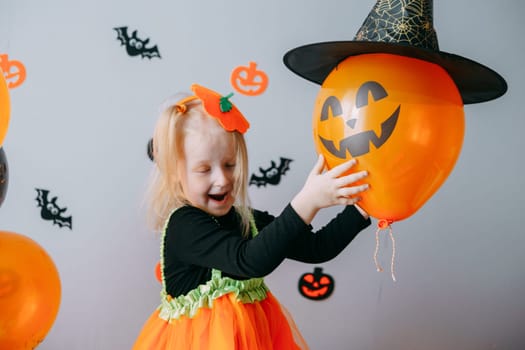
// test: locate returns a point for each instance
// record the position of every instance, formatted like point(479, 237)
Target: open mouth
point(217, 197)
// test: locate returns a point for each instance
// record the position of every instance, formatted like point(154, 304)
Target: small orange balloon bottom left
point(30, 292)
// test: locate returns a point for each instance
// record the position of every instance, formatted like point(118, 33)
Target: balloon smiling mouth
point(359, 144)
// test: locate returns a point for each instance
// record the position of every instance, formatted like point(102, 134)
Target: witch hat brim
point(401, 28)
point(476, 82)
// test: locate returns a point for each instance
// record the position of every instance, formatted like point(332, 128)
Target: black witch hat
point(400, 27)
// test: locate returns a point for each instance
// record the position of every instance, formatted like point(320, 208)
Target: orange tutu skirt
point(228, 325)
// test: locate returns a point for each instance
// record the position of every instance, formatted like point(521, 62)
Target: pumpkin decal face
point(248, 80)
point(316, 285)
point(14, 71)
point(401, 117)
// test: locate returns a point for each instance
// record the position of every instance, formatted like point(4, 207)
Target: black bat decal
point(51, 211)
point(134, 45)
point(272, 175)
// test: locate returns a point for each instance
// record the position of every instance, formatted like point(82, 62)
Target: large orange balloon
point(402, 118)
point(29, 292)
point(4, 107)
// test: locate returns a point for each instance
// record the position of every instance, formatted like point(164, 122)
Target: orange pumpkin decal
point(401, 117)
point(316, 285)
point(14, 71)
point(249, 80)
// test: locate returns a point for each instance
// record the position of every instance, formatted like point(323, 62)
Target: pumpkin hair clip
point(218, 106)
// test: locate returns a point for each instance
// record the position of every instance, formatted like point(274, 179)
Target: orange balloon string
point(382, 225)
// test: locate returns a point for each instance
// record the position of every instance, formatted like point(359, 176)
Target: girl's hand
point(326, 189)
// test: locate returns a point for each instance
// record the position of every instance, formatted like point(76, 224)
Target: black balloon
point(4, 175)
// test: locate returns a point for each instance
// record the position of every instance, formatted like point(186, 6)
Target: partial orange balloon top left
point(4, 107)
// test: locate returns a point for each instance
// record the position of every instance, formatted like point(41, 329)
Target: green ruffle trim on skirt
point(246, 291)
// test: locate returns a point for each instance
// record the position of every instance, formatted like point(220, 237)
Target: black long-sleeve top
point(196, 242)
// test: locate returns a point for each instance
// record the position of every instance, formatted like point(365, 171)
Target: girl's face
point(208, 178)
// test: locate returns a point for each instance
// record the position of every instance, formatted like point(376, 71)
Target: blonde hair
point(165, 192)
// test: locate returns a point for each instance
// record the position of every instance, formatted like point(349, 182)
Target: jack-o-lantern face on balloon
point(402, 118)
point(358, 144)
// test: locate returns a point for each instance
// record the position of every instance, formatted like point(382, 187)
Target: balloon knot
point(384, 223)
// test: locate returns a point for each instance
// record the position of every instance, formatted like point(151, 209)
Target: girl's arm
point(326, 243)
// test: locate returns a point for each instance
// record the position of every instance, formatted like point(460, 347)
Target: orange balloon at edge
point(4, 107)
point(30, 292)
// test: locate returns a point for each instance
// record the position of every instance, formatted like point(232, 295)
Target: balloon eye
point(333, 104)
point(377, 90)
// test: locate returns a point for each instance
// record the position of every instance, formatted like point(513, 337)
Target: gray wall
point(81, 121)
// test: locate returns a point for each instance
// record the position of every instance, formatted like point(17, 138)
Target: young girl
point(215, 249)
